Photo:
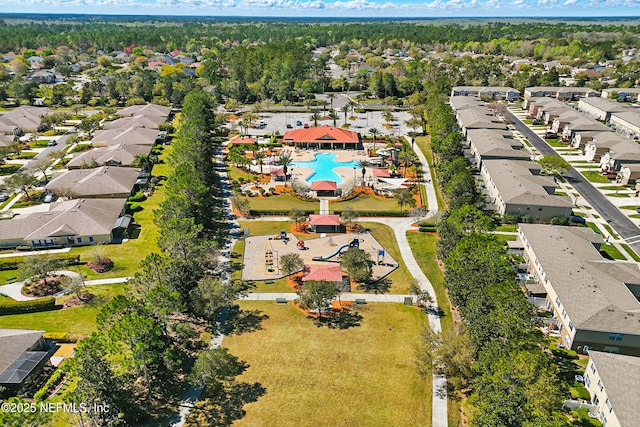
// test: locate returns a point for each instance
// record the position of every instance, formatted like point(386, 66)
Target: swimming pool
point(324, 165)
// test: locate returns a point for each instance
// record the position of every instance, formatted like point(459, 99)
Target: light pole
point(355, 184)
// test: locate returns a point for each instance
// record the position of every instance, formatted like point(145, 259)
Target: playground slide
point(331, 255)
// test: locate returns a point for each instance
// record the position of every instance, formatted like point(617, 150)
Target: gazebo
point(327, 273)
point(325, 188)
point(324, 223)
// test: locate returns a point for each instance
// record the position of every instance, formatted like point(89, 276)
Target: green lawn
point(261, 228)
point(504, 238)
point(556, 143)
point(424, 247)
point(318, 376)
point(612, 251)
point(424, 143)
point(618, 195)
point(630, 251)
point(610, 230)
point(633, 208)
point(595, 176)
point(400, 276)
point(281, 203)
point(367, 203)
point(235, 173)
point(76, 320)
point(286, 202)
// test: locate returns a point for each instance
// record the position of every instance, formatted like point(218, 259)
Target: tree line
point(149, 346)
point(495, 355)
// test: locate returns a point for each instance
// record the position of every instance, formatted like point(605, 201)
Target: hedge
point(260, 212)
point(31, 306)
point(8, 169)
point(61, 337)
point(138, 197)
point(13, 263)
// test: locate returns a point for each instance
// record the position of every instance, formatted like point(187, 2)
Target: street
point(620, 223)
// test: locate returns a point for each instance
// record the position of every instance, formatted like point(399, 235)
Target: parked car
point(289, 126)
point(3, 197)
point(306, 126)
point(52, 143)
point(298, 123)
point(550, 135)
point(49, 197)
point(577, 220)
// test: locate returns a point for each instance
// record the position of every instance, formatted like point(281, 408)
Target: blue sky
point(336, 8)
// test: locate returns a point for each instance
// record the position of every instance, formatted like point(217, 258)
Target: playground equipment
point(355, 243)
point(380, 259)
point(268, 257)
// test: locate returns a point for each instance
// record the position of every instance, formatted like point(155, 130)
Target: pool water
point(324, 165)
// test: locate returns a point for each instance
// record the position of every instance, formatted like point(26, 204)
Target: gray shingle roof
point(122, 154)
point(13, 342)
point(620, 376)
point(102, 181)
point(592, 290)
point(130, 135)
point(516, 183)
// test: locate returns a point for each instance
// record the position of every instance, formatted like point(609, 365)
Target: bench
point(361, 301)
point(281, 300)
point(12, 279)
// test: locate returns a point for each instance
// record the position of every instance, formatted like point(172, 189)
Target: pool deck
point(300, 174)
point(254, 267)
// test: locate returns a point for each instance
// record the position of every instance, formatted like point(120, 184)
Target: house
point(103, 182)
point(622, 153)
point(71, 223)
point(516, 187)
point(629, 174)
point(242, 140)
point(323, 137)
point(563, 119)
point(6, 140)
point(594, 301)
point(601, 108)
point(487, 92)
point(627, 94)
point(487, 144)
point(23, 353)
point(22, 119)
point(126, 136)
point(561, 93)
point(579, 125)
point(137, 121)
point(146, 109)
point(478, 119)
point(612, 381)
point(324, 223)
point(464, 102)
point(600, 145)
point(325, 188)
point(44, 76)
point(627, 123)
point(115, 155)
point(327, 273)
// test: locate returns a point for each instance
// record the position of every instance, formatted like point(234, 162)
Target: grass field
point(286, 202)
point(317, 376)
point(76, 320)
point(367, 203)
point(424, 143)
point(630, 251)
point(594, 176)
point(612, 251)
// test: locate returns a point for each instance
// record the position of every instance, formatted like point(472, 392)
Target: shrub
point(101, 265)
point(31, 306)
point(14, 262)
point(133, 207)
point(61, 337)
point(559, 220)
point(138, 197)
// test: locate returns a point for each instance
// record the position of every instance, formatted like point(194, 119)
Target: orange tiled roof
point(324, 186)
point(328, 273)
point(243, 140)
point(324, 133)
point(315, 219)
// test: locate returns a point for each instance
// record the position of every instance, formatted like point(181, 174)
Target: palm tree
point(331, 96)
point(285, 161)
point(352, 105)
point(259, 156)
point(142, 161)
point(407, 157)
point(333, 116)
point(363, 164)
point(388, 116)
point(374, 132)
point(315, 117)
point(345, 109)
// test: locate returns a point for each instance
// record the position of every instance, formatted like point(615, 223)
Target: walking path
point(324, 207)
point(346, 296)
